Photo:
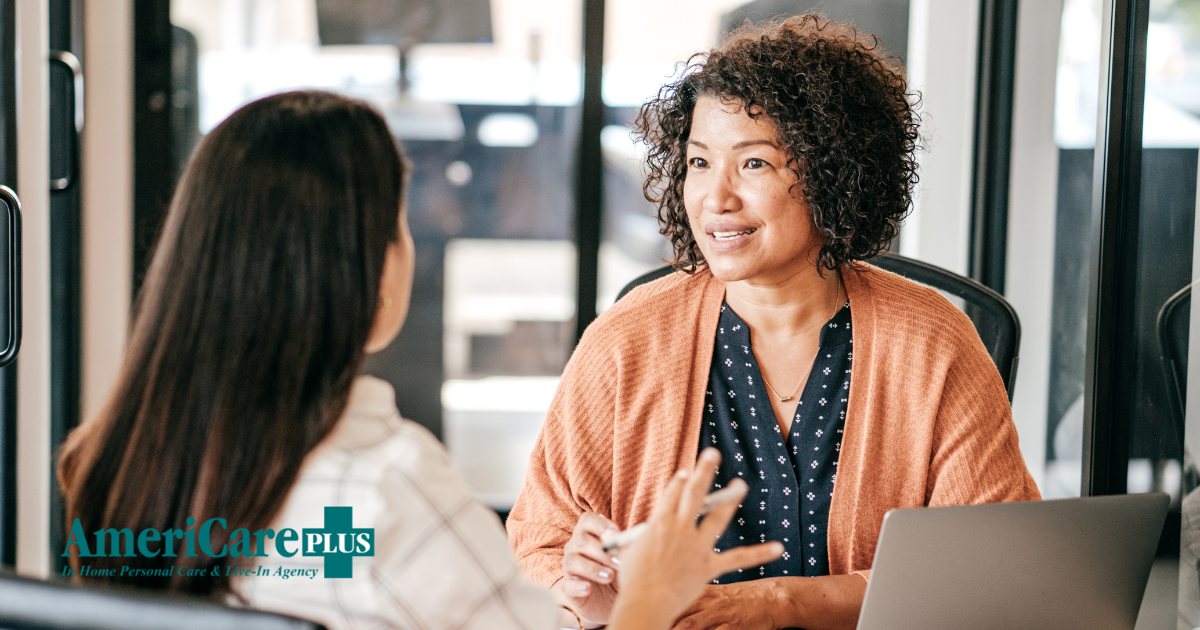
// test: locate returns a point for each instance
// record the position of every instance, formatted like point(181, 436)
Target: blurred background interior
point(486, 97)
point(525, 199)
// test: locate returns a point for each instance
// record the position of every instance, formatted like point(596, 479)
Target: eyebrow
point(749, 143)
point(741, 145)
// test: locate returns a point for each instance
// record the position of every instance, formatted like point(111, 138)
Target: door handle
point(71, 63)
point(12, 206)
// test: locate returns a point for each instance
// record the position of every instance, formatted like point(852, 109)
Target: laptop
point(1040, 565)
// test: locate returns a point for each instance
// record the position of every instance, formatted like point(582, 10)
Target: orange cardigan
point(928, 421)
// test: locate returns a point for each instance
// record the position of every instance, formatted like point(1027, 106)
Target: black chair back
point(29, 604)
point(1173, 321)
point(994, 318)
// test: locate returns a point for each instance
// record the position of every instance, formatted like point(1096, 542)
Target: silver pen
point(622, 538)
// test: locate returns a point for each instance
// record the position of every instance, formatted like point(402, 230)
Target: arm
point(555, 526)
point(830, 602)
point(570, 468)
point(975, 453)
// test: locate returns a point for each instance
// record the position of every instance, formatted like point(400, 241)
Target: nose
point(720, 193)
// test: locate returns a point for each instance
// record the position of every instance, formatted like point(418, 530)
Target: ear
point(395, 284)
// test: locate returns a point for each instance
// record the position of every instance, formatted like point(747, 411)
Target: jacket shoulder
point(915, 317)
point(900, 303)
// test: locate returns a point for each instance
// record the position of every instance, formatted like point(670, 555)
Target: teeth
point(724, 236)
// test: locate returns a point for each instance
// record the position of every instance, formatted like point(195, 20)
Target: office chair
point(29, 604)
point(994, 318)
point(1174, 319)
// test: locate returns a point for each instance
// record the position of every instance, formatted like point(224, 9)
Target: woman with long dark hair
point(239, 417)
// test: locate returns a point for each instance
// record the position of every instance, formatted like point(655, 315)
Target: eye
point(755, 163)
point(698, 162)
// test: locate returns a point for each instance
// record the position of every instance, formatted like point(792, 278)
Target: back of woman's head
point(250, 326)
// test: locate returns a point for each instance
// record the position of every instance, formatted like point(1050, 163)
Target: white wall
point(1032, 196)
point(942, 44)
point(33, 364)
point(107, 224)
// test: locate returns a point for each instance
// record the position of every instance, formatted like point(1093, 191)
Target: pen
point(619, 539)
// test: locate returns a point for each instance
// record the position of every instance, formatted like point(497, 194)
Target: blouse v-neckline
point(791, 476)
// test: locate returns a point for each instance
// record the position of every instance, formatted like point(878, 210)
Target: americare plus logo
point(339, 542)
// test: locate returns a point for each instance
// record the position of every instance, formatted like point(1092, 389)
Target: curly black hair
point(843, 113)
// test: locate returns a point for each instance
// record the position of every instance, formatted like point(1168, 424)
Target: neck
point(788, 305)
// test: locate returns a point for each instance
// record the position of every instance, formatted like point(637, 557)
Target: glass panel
point(484, 95)
point(639, 57)
point(1076, 97)
point(1050, 211)
point(1160, 460)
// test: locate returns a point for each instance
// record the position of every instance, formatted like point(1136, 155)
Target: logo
point(338, 542)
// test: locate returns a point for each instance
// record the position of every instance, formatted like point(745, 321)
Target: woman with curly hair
point(780, 162)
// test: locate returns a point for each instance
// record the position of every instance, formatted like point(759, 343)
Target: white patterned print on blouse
point(791, 477)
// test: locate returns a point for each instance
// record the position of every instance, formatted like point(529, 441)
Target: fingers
point(699, 483)
point(744, 558)
point(576, 588)
point(585, 541)
point(717, 520)
point(594, 524)
point(576, 566)
point(668, 503)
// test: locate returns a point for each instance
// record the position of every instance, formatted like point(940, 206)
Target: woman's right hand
point(589, 584)
point(668, 567)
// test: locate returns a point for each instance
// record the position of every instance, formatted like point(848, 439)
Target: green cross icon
point(338, 542)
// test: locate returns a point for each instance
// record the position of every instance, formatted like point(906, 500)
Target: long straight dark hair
point(249, 331)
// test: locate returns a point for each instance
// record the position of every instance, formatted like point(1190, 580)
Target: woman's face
point(395, 287)
point(738, 201)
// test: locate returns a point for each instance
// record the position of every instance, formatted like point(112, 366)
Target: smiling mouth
point(728, 236)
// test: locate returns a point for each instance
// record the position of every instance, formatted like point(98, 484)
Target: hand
point(666, 569)
point(589, 573)
point(747, 605)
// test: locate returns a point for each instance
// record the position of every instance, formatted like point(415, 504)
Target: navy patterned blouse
point(791, 478)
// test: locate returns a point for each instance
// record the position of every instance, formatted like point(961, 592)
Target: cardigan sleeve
point(975, 454)
point(571, 466)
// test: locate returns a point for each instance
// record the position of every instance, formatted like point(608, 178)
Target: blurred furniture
point(994, 318)
point(29, 604)
point(1174, 319)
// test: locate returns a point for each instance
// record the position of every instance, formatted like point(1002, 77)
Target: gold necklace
point(809, 370)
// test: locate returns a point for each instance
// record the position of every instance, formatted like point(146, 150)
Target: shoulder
point(903, 310)
point(372, 445)
point(652, 310)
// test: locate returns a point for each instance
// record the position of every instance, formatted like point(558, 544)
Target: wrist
point(778, 601)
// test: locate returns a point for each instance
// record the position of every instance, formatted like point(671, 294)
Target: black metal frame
point(8, 375)
point(994, 93)
point(589, 184)
point(66, 333)
point(1109, 404)
point(153, 176)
